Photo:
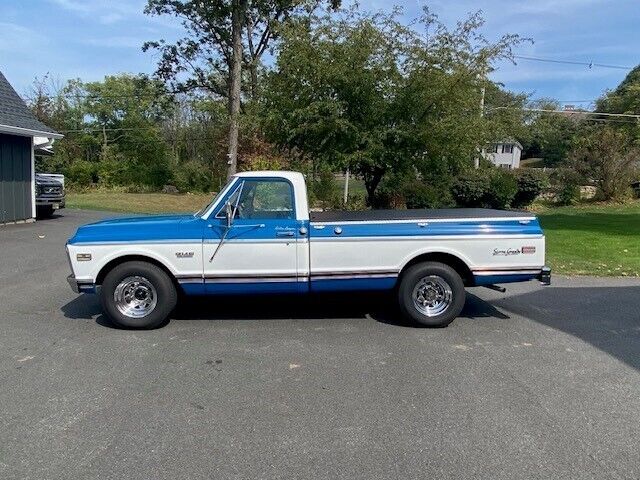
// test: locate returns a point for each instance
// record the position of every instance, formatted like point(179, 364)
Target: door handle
point(285, 233)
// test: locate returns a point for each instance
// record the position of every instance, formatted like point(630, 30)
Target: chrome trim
point(265, 279)
point(347, 276)
point(256, 241)
point(504, 236)
point(426, 220)
point(328, 273)
point(138, 242)
point(485, 273)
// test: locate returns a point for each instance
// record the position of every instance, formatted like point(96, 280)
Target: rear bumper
point(545, 276)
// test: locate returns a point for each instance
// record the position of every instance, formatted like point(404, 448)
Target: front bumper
point(55, 202)
point(545, 276)
point(81, 286)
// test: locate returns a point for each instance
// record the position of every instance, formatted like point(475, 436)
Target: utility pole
point(346, 187)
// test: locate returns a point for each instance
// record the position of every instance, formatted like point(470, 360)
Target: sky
point(89, 39)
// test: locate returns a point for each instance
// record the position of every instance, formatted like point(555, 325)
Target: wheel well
point(448, 259)
point(129, 258)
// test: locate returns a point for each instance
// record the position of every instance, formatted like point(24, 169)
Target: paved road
point(535, 383)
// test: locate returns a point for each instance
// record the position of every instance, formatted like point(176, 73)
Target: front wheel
point(431, 294)
point(138, 295)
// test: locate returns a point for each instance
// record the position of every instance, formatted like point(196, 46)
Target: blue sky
point(88, 39)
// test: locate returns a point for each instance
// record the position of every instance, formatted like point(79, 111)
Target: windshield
point(204, 210)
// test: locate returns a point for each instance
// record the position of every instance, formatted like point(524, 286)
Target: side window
point(266, 200)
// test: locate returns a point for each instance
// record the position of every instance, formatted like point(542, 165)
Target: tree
point(550, 135)
point(624, 99)
point(221, 37)
point(365, 92)
point(607, 157)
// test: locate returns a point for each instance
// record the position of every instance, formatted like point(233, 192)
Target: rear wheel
point(138, 295)
point(431, 293)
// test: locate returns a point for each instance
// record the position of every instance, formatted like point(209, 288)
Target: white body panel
point(393, 253)
point(251, 258)
point(165, 253)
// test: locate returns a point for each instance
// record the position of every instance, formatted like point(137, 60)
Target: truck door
point(258, 252)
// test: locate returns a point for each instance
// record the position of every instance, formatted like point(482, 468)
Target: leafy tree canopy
point(366, 92)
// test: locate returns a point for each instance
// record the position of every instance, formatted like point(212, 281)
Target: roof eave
point(26, 132)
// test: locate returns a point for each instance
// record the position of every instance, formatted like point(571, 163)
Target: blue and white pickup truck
point(257, 236)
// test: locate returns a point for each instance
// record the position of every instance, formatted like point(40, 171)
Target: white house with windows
point(505, 154)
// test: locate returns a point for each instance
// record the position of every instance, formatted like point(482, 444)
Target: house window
point(507, 148)
point(506, 166)
point(493, 148)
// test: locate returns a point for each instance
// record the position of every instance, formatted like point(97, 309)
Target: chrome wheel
point(135, 297)
point(432, 295)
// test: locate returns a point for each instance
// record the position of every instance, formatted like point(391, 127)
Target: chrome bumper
point(55, 202)
point(545, 276)
point(81, 286)
point(73, 283)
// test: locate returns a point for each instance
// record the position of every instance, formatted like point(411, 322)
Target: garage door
point(15, 178)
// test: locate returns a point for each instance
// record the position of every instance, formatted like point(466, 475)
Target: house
point(20, 133)
point(505, 154)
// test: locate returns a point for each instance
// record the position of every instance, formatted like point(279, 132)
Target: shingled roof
point(15, 116)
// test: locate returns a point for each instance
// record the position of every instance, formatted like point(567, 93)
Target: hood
point(151, 228)
point(44, 180)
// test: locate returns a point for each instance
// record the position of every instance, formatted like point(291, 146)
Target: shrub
point(418, 194)
point(324, 187)
point(502, 189)
point(81, 173)
point(470, 189)
point(192, 176)
point(389, 193)
point(531, 183)
point(398, 191)
point(113, 173)
point(566, 185)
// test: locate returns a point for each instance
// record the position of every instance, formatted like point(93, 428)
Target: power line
point(570, 62)
point(580, 112)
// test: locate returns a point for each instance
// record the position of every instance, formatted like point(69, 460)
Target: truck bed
point(338, 216)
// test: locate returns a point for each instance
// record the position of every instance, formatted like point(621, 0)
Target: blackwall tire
point(431, 294)
point(138, 294)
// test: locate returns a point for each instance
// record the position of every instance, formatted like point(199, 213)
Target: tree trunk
point(235, 79)
point(371, 182)
point(254, 80)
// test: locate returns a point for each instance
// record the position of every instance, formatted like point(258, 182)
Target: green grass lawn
point(581, 240)
point(138, 202)
point(601, 240)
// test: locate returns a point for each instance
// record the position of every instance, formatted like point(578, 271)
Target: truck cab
point(258, 237)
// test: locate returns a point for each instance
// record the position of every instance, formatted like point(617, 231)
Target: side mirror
point(229, 213)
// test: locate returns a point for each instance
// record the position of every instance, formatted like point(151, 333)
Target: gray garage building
point(20, 130)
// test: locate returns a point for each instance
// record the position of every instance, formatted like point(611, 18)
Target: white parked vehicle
point(257, 236)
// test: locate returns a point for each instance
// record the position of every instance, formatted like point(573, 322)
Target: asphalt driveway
point(534, 383)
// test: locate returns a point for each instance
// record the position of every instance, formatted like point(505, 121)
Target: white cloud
point(10, 32)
